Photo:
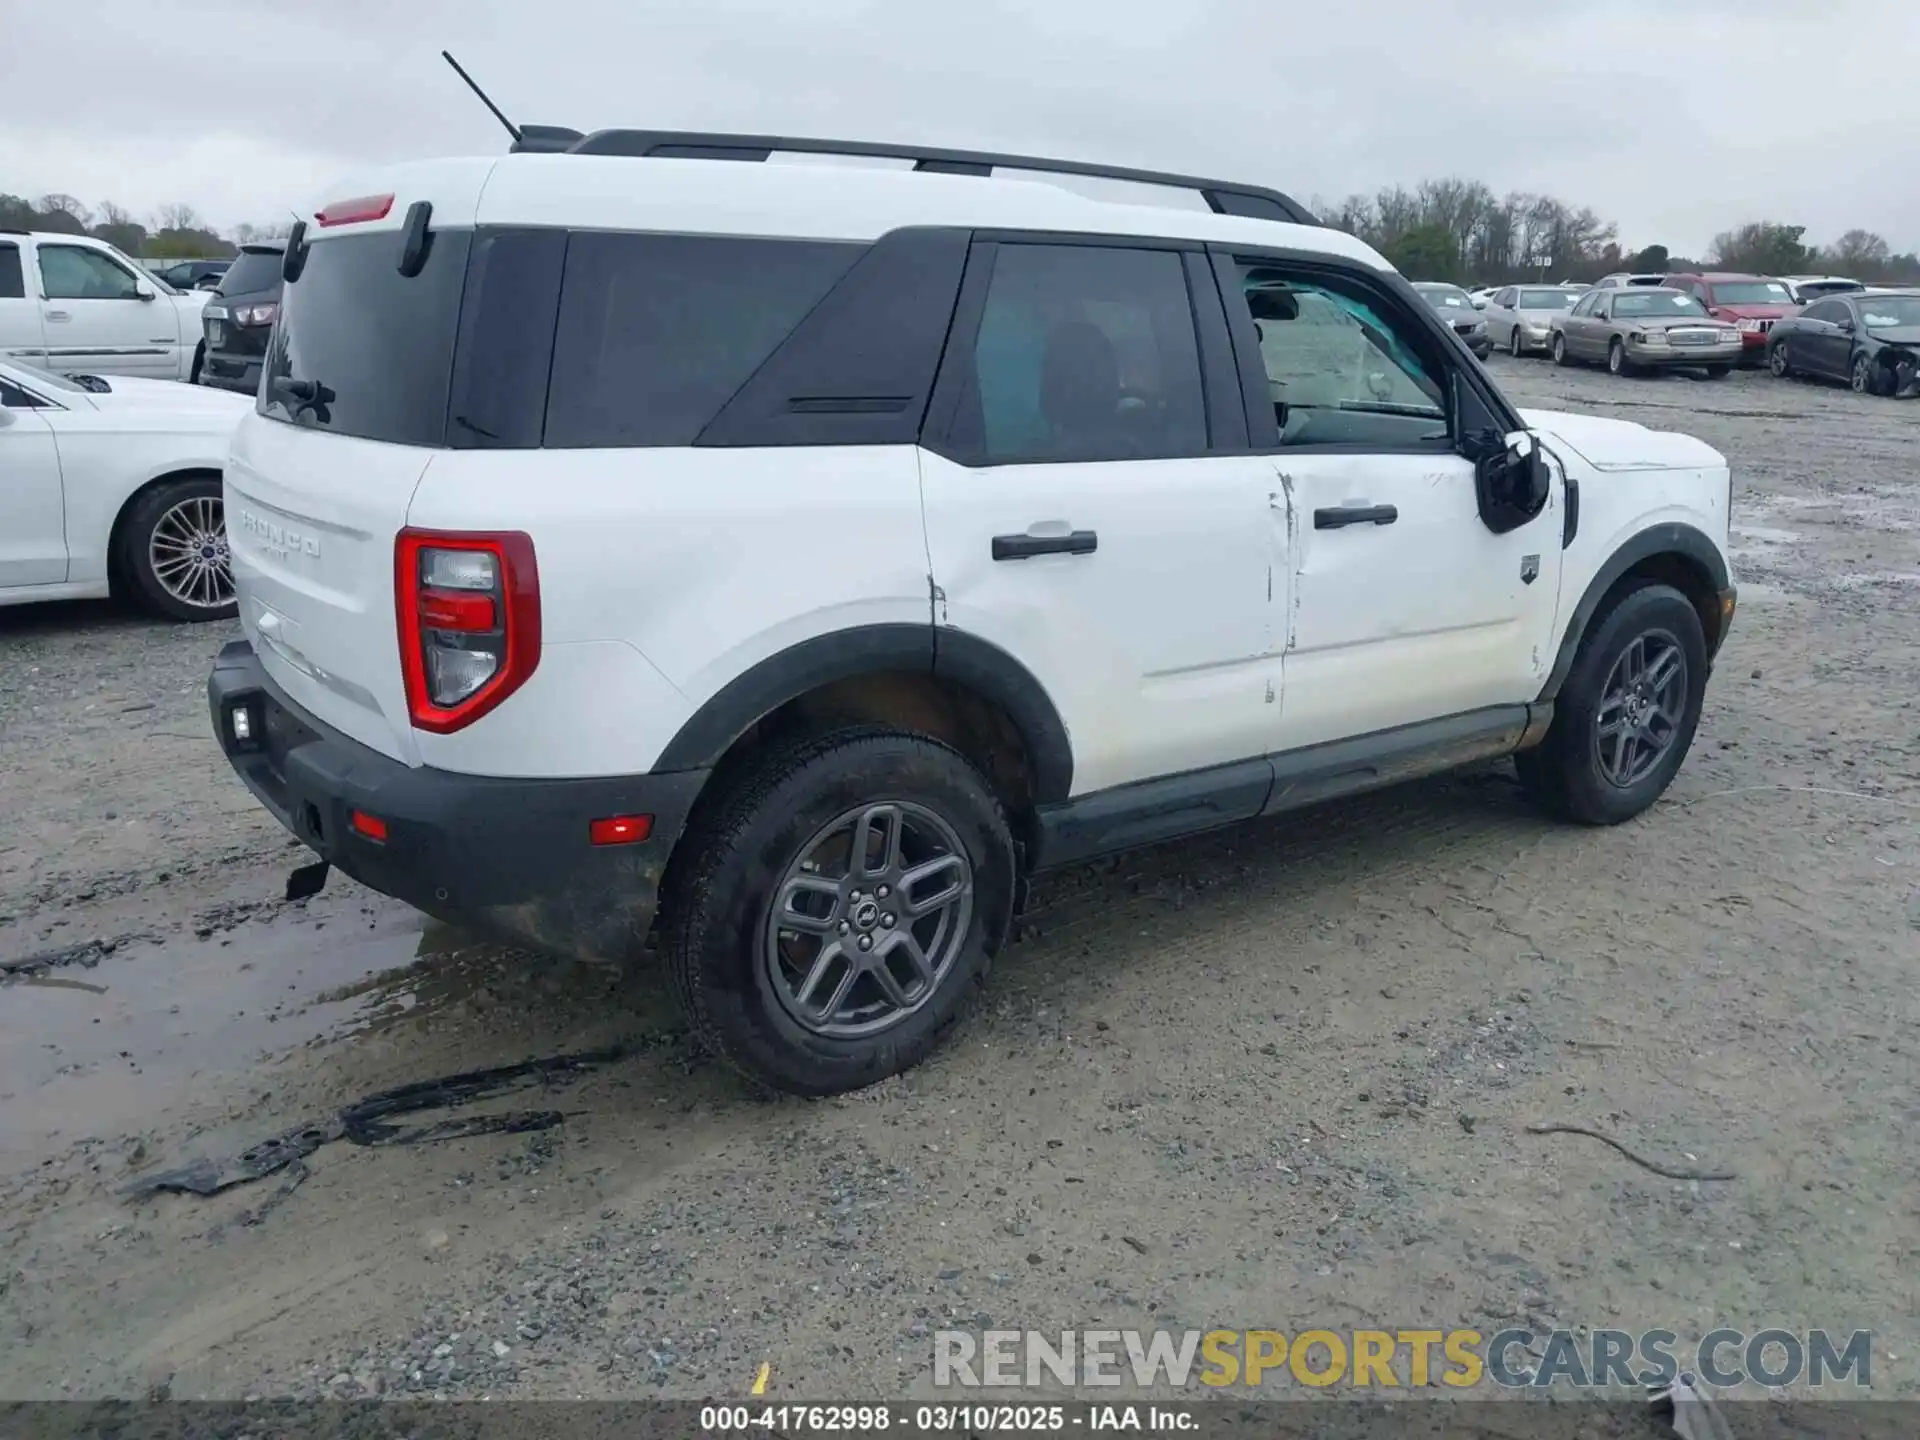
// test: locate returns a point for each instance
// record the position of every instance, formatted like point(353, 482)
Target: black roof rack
point(1223, 197)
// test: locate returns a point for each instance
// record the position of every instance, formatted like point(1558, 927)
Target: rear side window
point(657, 332)
point(1084, 353)
point(361, 349)
point(13, 284)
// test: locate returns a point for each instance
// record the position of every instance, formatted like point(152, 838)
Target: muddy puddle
point(95, 1050)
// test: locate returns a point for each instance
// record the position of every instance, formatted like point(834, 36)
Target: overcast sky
point(1675, 120)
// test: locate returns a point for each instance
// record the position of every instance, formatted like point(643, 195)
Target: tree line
point(1459, 230)
point(174, 232)
point(1452, 229)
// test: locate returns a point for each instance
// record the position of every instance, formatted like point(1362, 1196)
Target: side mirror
point(1512, 482)
point(143, 291)
point(6, 417)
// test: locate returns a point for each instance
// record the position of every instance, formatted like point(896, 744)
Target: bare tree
point(1858, 250)
point(179, 217)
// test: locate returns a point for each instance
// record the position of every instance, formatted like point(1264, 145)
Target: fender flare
point(1670, 539)
point(955, 656)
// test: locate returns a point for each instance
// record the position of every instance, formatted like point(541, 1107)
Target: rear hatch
point(240, 316)
point(352, 410)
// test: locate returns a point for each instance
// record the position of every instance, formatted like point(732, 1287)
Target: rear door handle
point(1021, 547)
point(1336, 516)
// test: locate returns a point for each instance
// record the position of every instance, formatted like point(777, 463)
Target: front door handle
point(1338, 515)
point(58, 315)
point(1021, 547)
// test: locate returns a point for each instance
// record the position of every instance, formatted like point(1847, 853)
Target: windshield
point(35, 379)
point(1888, 312)
point(1445, 297)
point(1545, 299)
point(1660, 302)
point(252, 271)
point(1751, 292)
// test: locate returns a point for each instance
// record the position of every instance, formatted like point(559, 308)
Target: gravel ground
point(1277, 1077)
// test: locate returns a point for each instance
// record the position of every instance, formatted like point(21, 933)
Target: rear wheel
point(173, 549)
point(1626, 716)
point(199, 359)
point(841, 903)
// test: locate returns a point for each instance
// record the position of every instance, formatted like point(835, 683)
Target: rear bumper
point(231, 372)
point(511, 856)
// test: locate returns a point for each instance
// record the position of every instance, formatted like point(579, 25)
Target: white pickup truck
point(75, 305)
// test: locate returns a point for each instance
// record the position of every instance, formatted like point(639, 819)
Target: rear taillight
point(255, 314)
point(469, 618)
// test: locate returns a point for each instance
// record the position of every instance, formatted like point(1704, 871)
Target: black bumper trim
point(507, 855)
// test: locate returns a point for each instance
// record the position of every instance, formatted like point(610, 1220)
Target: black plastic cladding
point(1224, 197)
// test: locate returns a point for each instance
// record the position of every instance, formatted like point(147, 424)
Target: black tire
point(1719, 372)
point(1780, 361)
point(1515, 346)
point(136, 555)
point(1560, 356)
point(199, 359)
point(717, 911)
point(1565, 773)
point(1864, 376)
point(1617, 362)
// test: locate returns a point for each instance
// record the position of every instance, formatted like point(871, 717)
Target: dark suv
point(239, 318)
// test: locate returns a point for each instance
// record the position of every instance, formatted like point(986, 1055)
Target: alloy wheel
point(1642, 707)
point(866, 923)
point(188, 552)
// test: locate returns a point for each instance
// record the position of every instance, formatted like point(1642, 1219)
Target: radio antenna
point(474, 86)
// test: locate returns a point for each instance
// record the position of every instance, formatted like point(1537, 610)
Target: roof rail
point(1223, 197)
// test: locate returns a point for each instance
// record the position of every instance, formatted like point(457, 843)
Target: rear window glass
point(12, 282)
point(657, 332)
point(361, 349)
point(252, 272)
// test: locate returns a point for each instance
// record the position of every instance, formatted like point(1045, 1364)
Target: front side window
point(1341, 367)
point(1588, 302)
point(69, 272)
point(1084, 353)
point(1831, 311)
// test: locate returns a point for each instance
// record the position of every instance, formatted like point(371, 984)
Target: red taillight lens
point(468, 607)
point(371, 826)
point(357, 211)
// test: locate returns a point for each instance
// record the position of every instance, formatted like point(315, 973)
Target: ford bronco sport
point(779, 565)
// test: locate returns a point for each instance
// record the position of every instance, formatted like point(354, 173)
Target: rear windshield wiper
point(310, 395)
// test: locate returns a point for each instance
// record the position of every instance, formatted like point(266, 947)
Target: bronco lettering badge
point(281, 541)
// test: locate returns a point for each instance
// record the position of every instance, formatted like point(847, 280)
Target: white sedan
point(112, 486)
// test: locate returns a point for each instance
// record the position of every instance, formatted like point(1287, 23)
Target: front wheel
point(1863, 377)
point(1780, 361)
point(1515, 347)
point(1719, 372)
point(840, 903)
point(1617, 362)
point(1560, 356)
point(173, 549)
point(1625, 718)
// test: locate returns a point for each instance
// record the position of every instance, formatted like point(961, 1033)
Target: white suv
point(72, 305)
point(785, 562)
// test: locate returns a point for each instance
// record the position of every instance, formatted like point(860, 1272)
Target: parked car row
point(1798, 326)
